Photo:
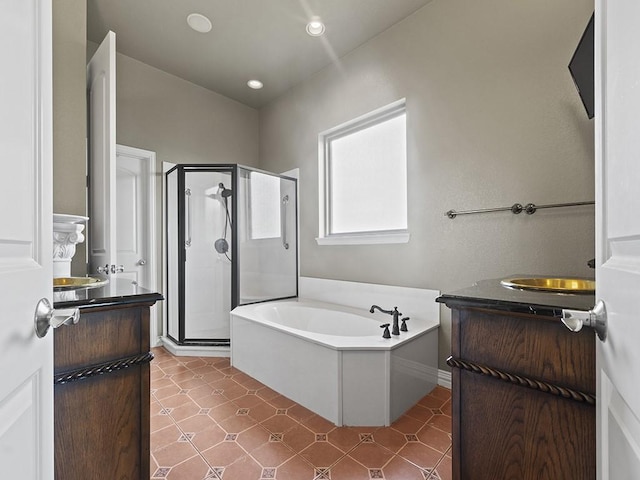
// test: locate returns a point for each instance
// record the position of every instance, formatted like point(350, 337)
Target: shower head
point(225, 192)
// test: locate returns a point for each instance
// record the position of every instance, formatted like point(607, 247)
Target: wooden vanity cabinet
point(523, 396)
point(101, 394)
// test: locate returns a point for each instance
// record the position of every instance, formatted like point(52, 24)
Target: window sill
point(365, 239)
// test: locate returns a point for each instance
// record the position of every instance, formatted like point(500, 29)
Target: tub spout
point(395, 313)
point(376, 307)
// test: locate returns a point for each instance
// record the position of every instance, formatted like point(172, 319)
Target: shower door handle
point(187, 193)
point(285, 202)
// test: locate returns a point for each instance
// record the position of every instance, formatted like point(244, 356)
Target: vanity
point(101, 383)
point(523, 385)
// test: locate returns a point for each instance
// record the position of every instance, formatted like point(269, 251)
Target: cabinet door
point(511, 417)
point(102, 408)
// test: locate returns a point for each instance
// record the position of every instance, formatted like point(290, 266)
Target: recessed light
point(255, 84)
point(199, 22)
point(315, 27)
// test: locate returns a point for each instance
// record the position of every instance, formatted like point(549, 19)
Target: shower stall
point(231, 239)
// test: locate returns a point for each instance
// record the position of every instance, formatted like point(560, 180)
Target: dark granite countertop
point(491, 294)
point(116, 292)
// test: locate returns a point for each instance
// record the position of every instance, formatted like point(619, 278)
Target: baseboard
point(444, 379)
point(194, 351)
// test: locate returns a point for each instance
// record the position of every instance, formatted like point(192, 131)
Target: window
point(363, 179)
point(265, 205)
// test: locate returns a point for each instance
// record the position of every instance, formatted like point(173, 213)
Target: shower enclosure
point(231, 240)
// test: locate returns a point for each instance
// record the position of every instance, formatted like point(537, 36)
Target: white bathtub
point(333, 360)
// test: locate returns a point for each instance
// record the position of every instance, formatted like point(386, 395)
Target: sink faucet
point(395, 330)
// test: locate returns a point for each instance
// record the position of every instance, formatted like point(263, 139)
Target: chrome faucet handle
point(386, 333)
point(403, 327)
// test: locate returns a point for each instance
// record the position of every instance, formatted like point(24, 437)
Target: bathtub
point(333, 360)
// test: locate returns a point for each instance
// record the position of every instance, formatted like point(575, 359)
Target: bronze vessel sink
point(551, 284)
point(72, 283)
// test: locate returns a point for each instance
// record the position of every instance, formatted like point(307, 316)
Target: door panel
point(131, 223)
point(26, 362)
point(135, 214)
point(618, 235)
point(135, 220)
point(101, 105)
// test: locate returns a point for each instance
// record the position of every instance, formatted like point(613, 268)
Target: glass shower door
point(266, 236)
point(208, 253)
point(200, 239)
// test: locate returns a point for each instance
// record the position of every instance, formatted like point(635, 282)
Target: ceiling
point(250, 39)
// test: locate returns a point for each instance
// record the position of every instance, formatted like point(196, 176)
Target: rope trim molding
point(539, 385)
point(101, 369)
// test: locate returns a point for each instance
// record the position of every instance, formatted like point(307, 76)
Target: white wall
point(493, 118)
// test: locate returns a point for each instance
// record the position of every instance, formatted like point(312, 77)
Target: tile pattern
point(210, 421)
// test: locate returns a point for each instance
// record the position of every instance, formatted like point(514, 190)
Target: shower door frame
point(182, 169)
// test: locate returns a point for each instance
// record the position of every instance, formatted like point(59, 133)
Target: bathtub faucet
point(395, 313)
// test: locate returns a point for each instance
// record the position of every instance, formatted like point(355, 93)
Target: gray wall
point(180, 121)
point(69, 114)
point(493, 118)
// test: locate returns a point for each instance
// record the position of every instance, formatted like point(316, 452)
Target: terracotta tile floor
point(210, 421)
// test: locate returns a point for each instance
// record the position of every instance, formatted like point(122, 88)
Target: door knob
point(142, 262)
point(46, 316)
point(117, 268)
point(104, 270)
point(595, 318)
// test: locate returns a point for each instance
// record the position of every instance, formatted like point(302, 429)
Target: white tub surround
point(332, 358)
point(67, 233)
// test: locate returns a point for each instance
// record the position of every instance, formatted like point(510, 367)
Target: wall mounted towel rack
point(516, 208)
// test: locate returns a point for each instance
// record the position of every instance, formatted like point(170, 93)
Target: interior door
point(101, 106)
point(618, 235)
point(26, 362)
point(133, 215)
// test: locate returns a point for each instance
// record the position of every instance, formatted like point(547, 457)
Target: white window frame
point(325, 237)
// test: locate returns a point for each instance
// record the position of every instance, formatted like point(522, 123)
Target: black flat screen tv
point(582, 69)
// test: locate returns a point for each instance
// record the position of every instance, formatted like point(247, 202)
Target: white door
point(135, 212)
point(101, 106)
point(618, 235)
point(135, 220)
point(26, 255)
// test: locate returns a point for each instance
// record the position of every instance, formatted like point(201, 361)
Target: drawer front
point(527, 345)
point(101, 336)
